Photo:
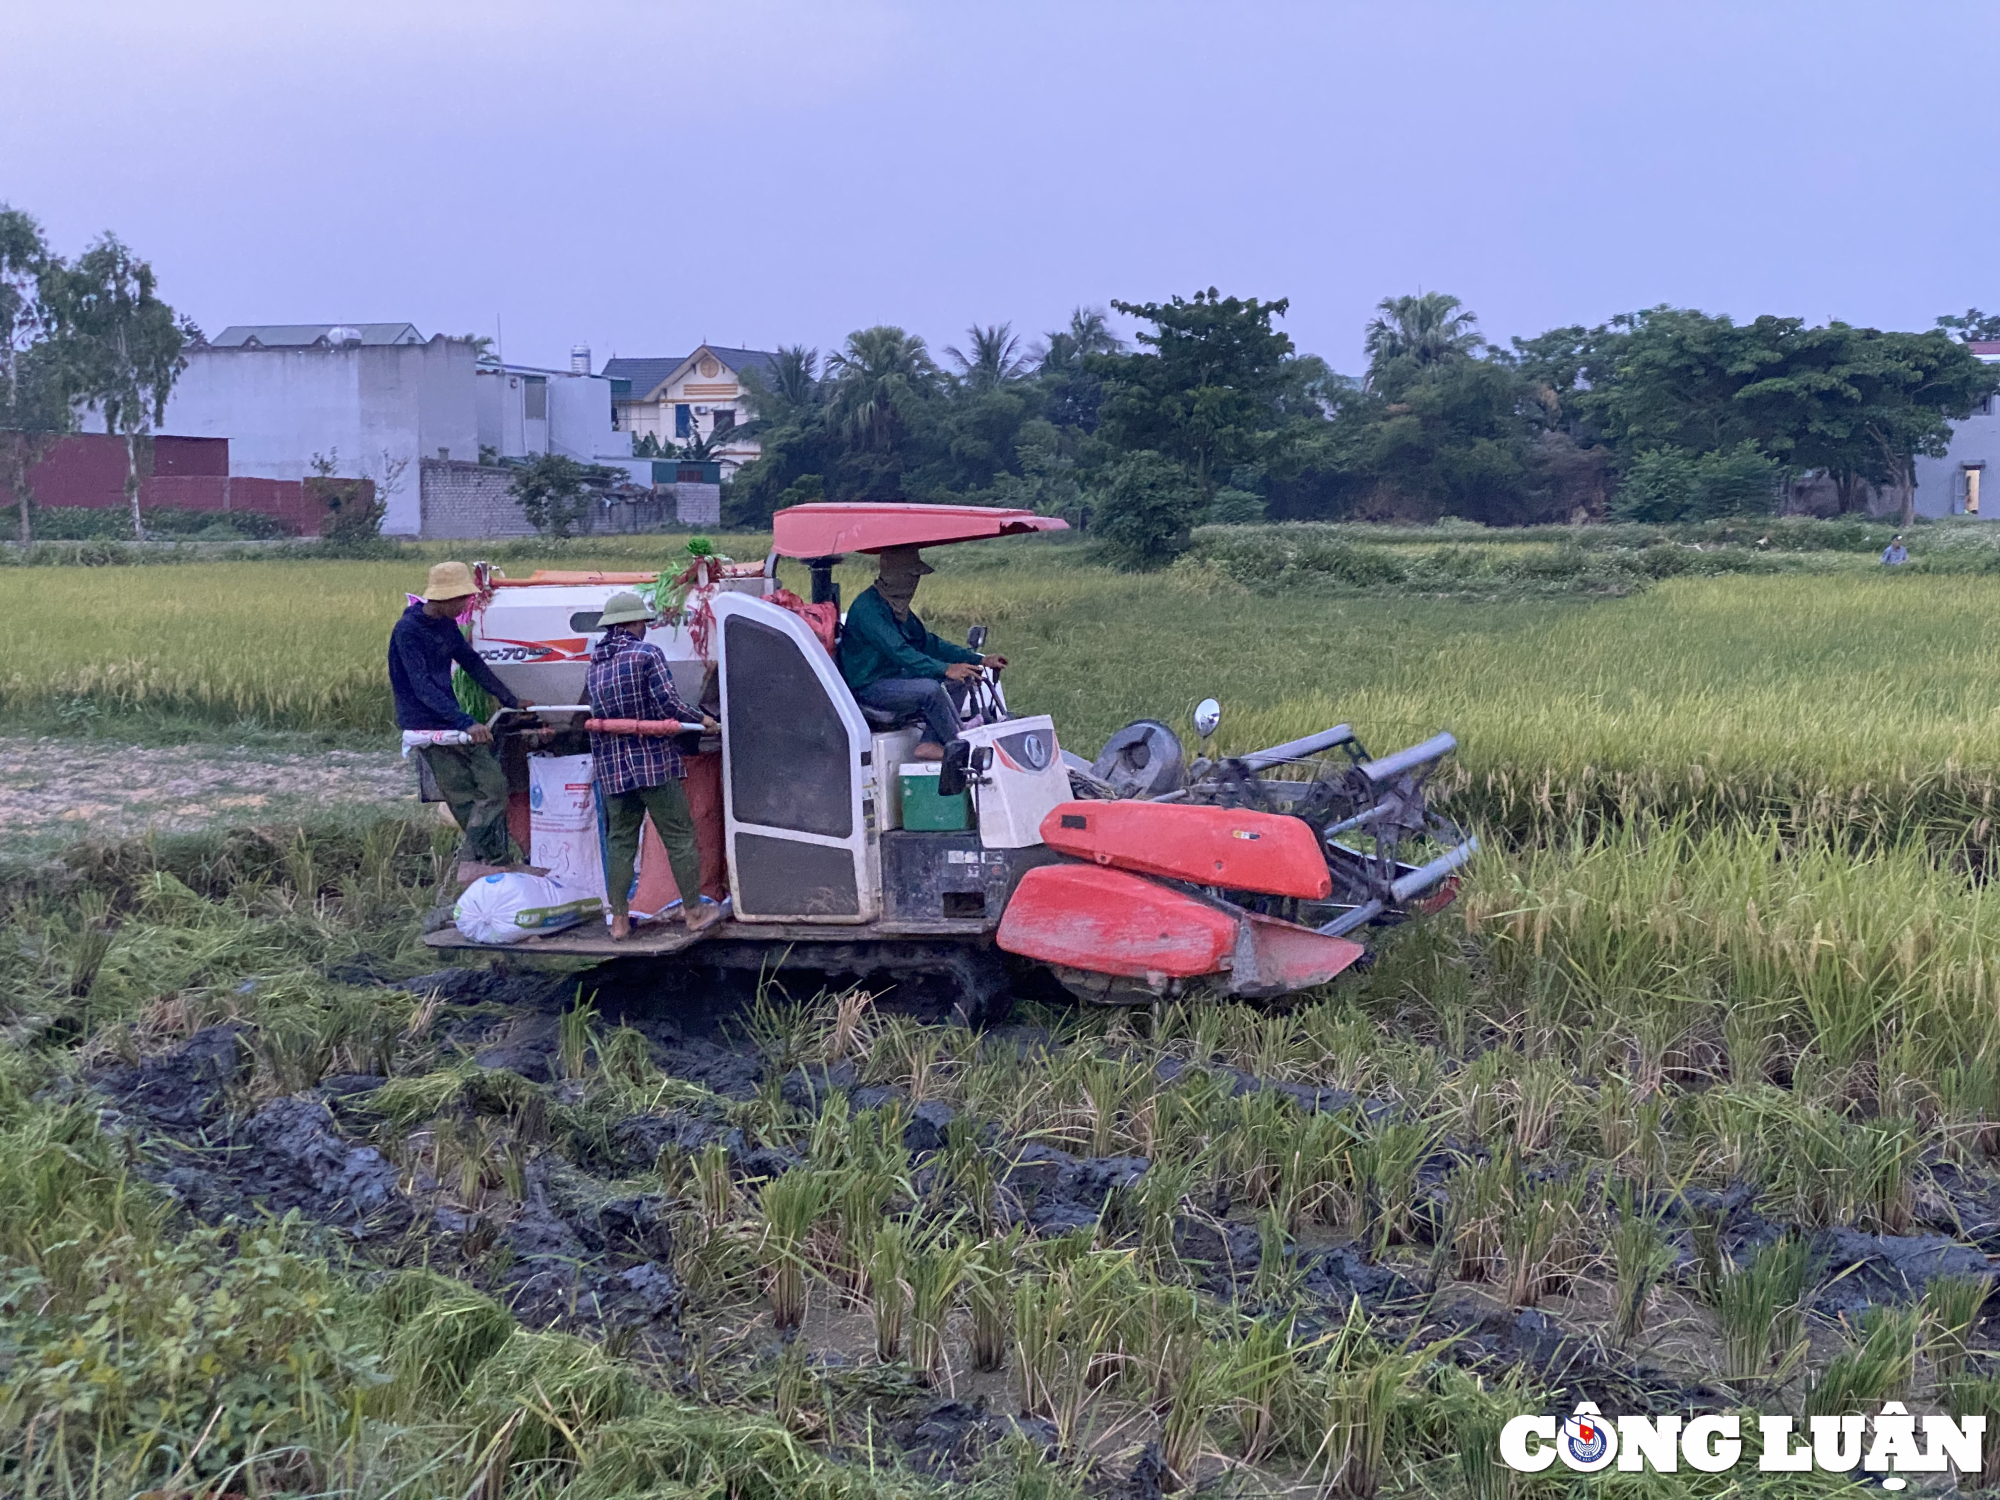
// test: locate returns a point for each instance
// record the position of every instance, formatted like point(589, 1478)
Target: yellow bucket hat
point(449, 580)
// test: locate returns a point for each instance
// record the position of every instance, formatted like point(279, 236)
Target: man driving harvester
point(894, 664)
point(639, 770)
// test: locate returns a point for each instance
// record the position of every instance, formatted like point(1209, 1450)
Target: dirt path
point(55, 790)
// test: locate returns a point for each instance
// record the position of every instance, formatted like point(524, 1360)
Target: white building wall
point(578, 422)
point(580, 419)
point(277, 407)
point(371, 408)
point(1941, 481)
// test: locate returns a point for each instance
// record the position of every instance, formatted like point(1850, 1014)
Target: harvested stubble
point(1798, 995)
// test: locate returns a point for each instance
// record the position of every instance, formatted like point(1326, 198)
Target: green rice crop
point(1847, 699)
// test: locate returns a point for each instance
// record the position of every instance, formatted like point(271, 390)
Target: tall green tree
point(121, 346)
point(1146, 510)
point(1428, 328)
point(1207, 389)
point(789, 391)
point(1971, 326)
point(1071, 391)
point(554, 491)
point(883, 390)
point(34, 399)
point(992, 357)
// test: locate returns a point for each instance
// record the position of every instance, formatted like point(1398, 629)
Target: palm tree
point(995, 358)
point(1088, 333)
point(797, 375)
point(786, 392)
point(1430, 327)
point(877, 376)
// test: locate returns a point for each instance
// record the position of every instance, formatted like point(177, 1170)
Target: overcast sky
point(642, 176)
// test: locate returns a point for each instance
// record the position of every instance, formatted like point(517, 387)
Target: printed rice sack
point(508, 907)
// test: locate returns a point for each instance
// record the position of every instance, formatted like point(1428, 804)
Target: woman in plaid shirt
point(641, 774)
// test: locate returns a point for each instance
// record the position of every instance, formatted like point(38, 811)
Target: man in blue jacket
point(894, 664)
point(422, 648)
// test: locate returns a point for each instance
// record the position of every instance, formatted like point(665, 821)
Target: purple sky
point(643, 176)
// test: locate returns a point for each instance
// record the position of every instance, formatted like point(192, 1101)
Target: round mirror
point(1207, 714)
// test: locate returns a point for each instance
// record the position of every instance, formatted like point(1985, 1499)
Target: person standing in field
point(641, 773)
point(896, 665)
point(1895, 555)
point(422, 648)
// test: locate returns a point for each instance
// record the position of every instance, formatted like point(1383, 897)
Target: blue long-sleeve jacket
point(421, 651)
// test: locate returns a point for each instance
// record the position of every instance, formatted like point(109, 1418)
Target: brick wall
point(87, 472)
point(468, 500)
point(698, 504)
point(289, 500)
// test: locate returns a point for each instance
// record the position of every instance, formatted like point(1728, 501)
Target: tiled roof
point(305, 335)
point(648, 375)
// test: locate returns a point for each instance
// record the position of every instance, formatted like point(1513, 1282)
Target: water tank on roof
point(579, 359)
point(343, 334)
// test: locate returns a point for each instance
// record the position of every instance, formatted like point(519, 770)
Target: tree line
point(84, 335)
point(1662, 415)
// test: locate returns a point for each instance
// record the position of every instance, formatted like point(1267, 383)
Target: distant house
point(695, 395)
point(381, 396)
point(1951, 486)
point(524, 410)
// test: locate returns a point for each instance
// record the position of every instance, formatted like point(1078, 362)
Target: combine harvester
point(1128, 878)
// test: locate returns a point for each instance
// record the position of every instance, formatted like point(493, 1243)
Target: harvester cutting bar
point(1435, 748)
point(1347, 921)
point(1425, 876)
point(1312, 744)
point(1381, 810)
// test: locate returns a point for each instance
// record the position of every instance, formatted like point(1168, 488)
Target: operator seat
point(883, 719)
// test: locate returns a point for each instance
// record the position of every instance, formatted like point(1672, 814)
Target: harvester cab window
point(794, 783)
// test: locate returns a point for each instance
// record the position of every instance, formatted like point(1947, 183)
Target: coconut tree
point(1430, 328)
point(995, 357)
point(1088, 333)
point(880, 378)
point(787, 392)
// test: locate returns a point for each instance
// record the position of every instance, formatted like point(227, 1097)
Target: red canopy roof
point(831, 528)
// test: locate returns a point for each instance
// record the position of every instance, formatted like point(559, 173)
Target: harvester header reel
point(1247, 873)
point(1387, 852)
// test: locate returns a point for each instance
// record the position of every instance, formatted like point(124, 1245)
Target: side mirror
point(952, 774)
point(1207, 714)
point(975, 638)
point(982, 759)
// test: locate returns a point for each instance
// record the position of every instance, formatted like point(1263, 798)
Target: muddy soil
point(572, 1246)
point(54, 790)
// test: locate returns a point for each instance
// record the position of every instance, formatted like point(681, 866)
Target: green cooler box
point(924, 811)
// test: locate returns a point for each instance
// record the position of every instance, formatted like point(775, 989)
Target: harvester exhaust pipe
point(1435, 748)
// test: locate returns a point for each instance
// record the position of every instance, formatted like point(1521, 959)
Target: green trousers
point(624, 817)
point(475, 789)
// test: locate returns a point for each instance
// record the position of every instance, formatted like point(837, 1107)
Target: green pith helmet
point(625, 609)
